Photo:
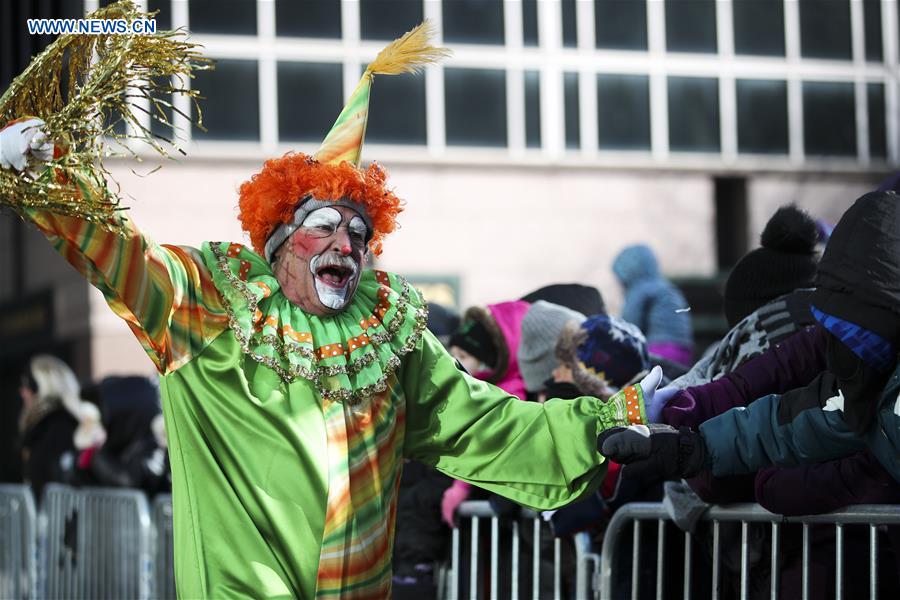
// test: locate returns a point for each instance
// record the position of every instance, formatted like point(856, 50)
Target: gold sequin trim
point(289, 348)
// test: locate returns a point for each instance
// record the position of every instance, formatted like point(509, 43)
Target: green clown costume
point(287, 431)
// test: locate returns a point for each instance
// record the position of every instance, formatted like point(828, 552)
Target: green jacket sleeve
point(540, 455)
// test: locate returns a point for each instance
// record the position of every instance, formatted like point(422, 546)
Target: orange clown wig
point(271, 196)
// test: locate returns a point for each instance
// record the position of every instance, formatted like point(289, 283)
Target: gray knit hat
point(537, 348)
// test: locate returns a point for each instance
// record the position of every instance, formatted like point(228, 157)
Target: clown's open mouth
point(334, 276)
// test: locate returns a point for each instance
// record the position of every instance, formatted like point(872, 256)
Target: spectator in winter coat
point(598, 357)
point(784, 262)
point(131, 456)
point(54, 420)
point(601, 355)
point(541, 328)
point(654, 304)
point(846, 410)
point(487, 344)
point(766, 295)
point(791, 364)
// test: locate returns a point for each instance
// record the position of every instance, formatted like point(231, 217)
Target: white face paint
point(357, 228)
point(335, 286)
point(325, 218)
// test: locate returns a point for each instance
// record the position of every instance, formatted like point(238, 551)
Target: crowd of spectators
point(814, 325)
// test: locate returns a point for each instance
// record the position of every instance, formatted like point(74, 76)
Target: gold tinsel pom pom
point(86, 87)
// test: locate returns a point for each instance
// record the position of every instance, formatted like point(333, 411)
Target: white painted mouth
point(333, 277)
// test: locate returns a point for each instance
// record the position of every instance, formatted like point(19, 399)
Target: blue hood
point(635, 263)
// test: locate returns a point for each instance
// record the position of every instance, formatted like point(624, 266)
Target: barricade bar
point(100, 543)
point(465, 554)
point(633, 514)
point(18, 542)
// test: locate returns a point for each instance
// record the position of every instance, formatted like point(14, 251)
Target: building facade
point(557, 133)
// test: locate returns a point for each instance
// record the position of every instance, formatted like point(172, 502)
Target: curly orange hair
point(270, 197)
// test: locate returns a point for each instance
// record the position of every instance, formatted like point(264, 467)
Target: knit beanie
point(582, 298)
point(604, 353)
point(785, 262)
point(858, 278)
point(473, 337)
point(540, 330)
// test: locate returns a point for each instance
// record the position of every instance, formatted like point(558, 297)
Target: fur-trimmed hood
point(503, 322)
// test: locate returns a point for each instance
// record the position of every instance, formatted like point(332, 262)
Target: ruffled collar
point(348, 356)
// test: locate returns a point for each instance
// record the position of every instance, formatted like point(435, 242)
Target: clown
point(295, 381)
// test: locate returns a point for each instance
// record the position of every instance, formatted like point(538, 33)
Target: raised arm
point(164, 293)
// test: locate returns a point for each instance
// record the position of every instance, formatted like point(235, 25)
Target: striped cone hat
point(275, 201)
point(404, 55)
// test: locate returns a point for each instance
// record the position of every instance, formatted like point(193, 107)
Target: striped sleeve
point(164, 293)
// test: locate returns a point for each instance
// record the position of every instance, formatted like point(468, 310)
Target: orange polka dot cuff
point(625, 407)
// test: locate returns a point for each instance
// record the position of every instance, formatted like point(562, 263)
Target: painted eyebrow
point(358, 226)
point(322, 216)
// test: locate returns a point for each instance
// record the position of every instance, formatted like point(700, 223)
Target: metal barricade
point(636, 514)
point(505, 573)
point(18, 542)
point(97, 543)
point(163, 548)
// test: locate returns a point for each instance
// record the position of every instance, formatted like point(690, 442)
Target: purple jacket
point(788, 365)
point(856, 479)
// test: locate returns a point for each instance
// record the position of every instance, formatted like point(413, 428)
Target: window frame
point(551, 59)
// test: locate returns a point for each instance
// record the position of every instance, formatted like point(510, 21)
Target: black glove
point(654, 450)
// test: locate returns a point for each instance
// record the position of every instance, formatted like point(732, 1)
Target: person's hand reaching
point(654, 450)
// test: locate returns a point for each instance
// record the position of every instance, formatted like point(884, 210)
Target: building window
point(829, 119)
point(758, 27)
point(308, 18)
point(570, 101)
point(691, 25)
point(231, 107)
point(530, 22)
point(397, 110)
point(693, 114)
point(114, 118)
point(569, 24)
point(762, 116)
point(877, 125)
point(621, 24)
point(533, 109)
point(310, 97)
point(623, 112)
point(825, 29)
point(388, 19)
point(475, 106)
point(207, 16)
point(473, 21)
point(162, 112)
point(164, 16)
point(872, 21)
point(159, 128)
